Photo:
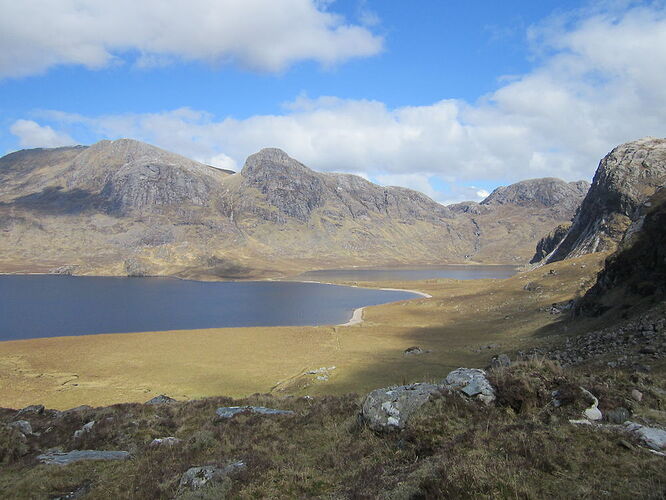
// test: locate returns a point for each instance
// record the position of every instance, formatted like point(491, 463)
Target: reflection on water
point(51, 306)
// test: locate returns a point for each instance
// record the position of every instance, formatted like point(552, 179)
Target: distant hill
point(127, 208)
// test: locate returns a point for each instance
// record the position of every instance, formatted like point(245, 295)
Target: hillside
point(127, 208)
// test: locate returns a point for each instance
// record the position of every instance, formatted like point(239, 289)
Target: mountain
point(636, 272)
point(124, 207)
point(625, 180)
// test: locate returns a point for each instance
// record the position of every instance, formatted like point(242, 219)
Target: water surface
point(456, 272)
point(52, 306)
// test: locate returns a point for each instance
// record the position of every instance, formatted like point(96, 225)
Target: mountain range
point(128, 208)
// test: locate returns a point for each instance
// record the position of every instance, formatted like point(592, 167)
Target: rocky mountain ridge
point(624, 182)
point(125, 207)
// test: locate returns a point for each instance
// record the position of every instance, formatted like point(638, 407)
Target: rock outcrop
point(389, 409)
point(637, 270)
point(625, 180)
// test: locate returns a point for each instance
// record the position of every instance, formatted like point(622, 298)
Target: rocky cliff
point(125, 207)
point(625, 180)
point(636, 272)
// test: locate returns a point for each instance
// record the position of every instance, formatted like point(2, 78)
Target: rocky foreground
point(523, 429)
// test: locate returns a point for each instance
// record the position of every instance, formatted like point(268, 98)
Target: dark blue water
point(418, 273)
point(52, 306)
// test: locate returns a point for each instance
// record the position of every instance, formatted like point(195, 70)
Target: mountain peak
point(545, 192)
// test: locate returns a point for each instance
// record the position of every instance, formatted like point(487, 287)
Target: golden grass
point(460, 317)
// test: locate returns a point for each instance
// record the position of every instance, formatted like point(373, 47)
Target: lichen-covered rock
point(84, 430)
point(160, 400)
point(64, 458)
point(23, 426)
point(472, 382)
point(225, 412)
point(654, 437)
point(389, 409)
point(198, 477)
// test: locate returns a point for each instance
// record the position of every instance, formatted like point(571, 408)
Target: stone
point(636, 395)
point(499, 361)
point(593, 412)
point(64, 458)
point(198, 477)
point(22, 426)
point(165, 441)
point(618, 415)
point(160, 400)
point(413, 351)
point(84, 430)
point(654, 437)
point(231, 411)
point(472, 382)
point(32, 409)
point(389, 409)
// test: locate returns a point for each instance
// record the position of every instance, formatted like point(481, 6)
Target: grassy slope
point(454, 448)
point(461, 317)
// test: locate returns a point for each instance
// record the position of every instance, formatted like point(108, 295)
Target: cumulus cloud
point(33, 135)
point(600, 84)
point(263, 35)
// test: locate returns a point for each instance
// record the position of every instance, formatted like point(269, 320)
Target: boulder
point(160, 400)
point(198, 477)
point(414, 351)
point(654, 437)
point(593, 412)
point(84, 430)
point(472, 382)
point(231, 411)
point(64, 458)
point(618, 415)
point(22, 426)
point(389, 409)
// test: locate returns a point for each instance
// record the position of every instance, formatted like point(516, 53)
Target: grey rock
point(225, 412)
point(84, 430)
point(22, 426)
point(471, 382)
point(654, 437)
point(165, 441)
point(636, 395)
point(618, 415)
point(31, 410)
point(198, 477)
point(64, 458)
point(502, 360)
point(414, 351)
point(548, 243)
point(546, 192)
point(160, 400)
point(389, 409)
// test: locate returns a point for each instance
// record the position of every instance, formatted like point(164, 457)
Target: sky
point(450, 98)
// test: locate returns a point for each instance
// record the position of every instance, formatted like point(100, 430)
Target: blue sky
point(451, 98)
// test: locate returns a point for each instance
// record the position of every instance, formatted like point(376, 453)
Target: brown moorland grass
point(452, 448)
point(454, 325)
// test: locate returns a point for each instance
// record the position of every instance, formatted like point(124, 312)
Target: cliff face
point(124, 207)
point(637, 270)
point(624, 181)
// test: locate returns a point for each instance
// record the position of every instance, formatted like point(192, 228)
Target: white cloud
point(600, 85)
point(33, 135)
point(264, 35)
